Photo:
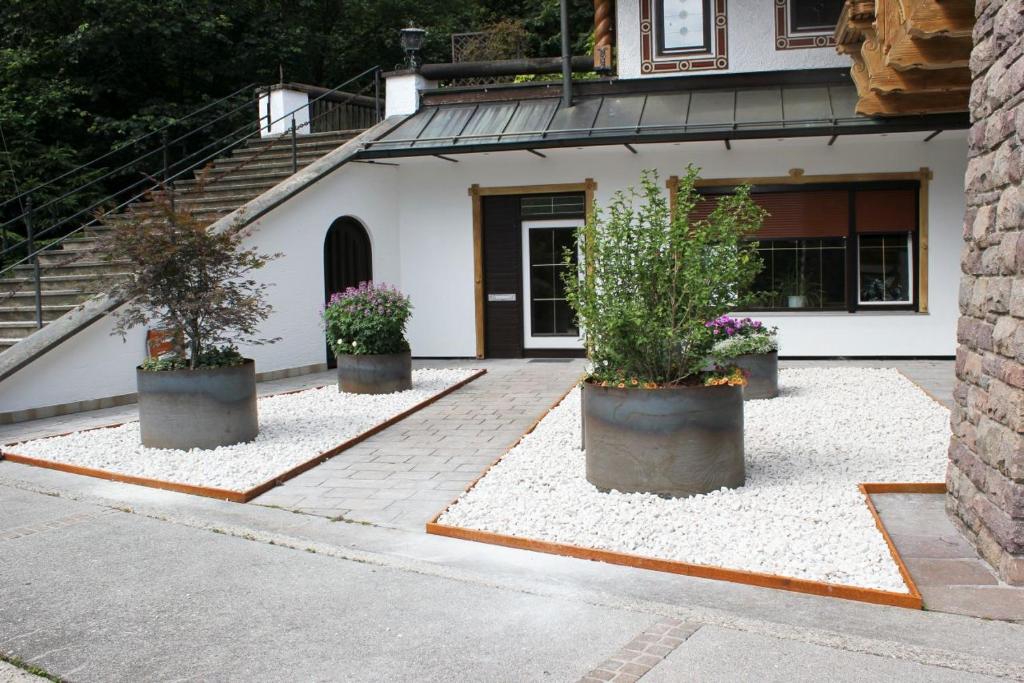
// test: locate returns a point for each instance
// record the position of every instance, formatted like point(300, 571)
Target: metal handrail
point(133, 162)
point(168, 177)
point(127, 144)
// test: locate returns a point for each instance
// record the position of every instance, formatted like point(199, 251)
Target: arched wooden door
point(348, 260)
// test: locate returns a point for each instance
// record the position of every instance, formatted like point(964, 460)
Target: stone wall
point(986, 453)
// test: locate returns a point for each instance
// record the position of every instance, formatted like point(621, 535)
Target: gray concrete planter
point(375, 374)
point(673, 442)
point(203, 408)
point(763, 374)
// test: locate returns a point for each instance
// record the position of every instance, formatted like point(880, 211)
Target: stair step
point(27, 314)
point(27, 297)
point(86, 267)
point(90, 283)
point(16, 330)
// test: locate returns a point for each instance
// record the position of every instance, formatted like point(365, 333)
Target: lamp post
point(412, 43)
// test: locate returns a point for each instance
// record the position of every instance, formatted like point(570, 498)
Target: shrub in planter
point(751, 346)
point(196, 284)
point(366, 328)
point(654, 419)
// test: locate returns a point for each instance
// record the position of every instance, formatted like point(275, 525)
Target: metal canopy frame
point(630, 119)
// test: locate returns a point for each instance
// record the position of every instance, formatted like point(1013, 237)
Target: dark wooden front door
point(502, 247)
point(348, 260)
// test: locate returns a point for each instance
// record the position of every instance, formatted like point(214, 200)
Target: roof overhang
point(622, 116)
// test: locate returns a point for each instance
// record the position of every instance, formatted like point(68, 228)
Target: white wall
point(436, 229)
point(751, 42)
point(419, 217)
point(94, 365)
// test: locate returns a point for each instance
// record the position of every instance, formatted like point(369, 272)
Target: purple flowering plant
point(740, 336)
point(367, 320)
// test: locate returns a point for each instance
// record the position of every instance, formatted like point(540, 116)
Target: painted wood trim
point(228, 494)
point(796, 177)
point(588, 187)
point(533, 189)
point(922, 241)
point(478, 268)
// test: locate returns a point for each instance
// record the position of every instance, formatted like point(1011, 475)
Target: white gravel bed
point(294, 428)
point(800, 513)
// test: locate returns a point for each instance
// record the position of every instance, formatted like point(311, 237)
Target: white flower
point(355, 343)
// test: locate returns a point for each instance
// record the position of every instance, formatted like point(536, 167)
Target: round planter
point(375, 374)
point(203, 408)
point(762, 374)
point(672, 442)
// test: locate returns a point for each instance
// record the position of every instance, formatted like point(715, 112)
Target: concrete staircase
point(74, 271)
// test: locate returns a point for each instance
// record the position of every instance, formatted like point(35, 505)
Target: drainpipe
point(566, 57)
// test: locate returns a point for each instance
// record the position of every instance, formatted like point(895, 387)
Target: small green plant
point(367, 320)
point(217, 357)
point(651, 277)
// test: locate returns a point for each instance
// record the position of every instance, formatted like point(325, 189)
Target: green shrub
point(217, 357)
point(650, 279)
point(367, 320)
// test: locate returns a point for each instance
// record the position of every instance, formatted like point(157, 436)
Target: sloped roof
point(705, 114)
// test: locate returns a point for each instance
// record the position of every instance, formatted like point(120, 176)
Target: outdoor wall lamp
point(412, 42)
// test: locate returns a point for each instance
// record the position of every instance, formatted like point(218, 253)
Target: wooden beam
point(874, 104)
point(922, 241)
point(928, 19)
point(903, 51)
point(884, 79)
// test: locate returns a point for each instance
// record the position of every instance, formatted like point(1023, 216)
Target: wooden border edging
point(228, 494)
point(912, 599)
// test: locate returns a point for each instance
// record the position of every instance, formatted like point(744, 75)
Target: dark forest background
point(80, 77)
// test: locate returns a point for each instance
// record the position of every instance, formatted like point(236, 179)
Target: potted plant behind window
point(799, 291)
point(366, 329)
point(196, 285)
point(752, 347)
point(654, 420)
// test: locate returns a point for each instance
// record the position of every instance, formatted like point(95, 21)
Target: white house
point(462, 196)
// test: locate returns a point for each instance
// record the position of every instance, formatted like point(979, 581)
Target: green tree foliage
point(652, 278)
point(79, 78)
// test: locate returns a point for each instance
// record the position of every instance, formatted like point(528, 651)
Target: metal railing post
point(376, 96)
point(295, 153)
point(36, 274)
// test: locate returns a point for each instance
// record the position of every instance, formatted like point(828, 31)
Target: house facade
point(464, 197)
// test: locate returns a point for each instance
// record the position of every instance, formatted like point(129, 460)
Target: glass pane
point(541, 246)
point(564, 239)
point(542, 281)
point(802, 274)
point(560, 272)
point(884, 269)
point(565, 321)
point(543, 317)
point(683, 24)
point(814, 15)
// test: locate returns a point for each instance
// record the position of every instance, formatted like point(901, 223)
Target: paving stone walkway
point(947, 570)
point(404, 475)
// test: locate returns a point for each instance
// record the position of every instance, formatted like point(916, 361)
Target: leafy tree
point(78, 79)
point(194, 282)
point(653, 277)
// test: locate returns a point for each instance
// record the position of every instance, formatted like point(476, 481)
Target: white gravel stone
point(800, 513)
point(294, 428)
